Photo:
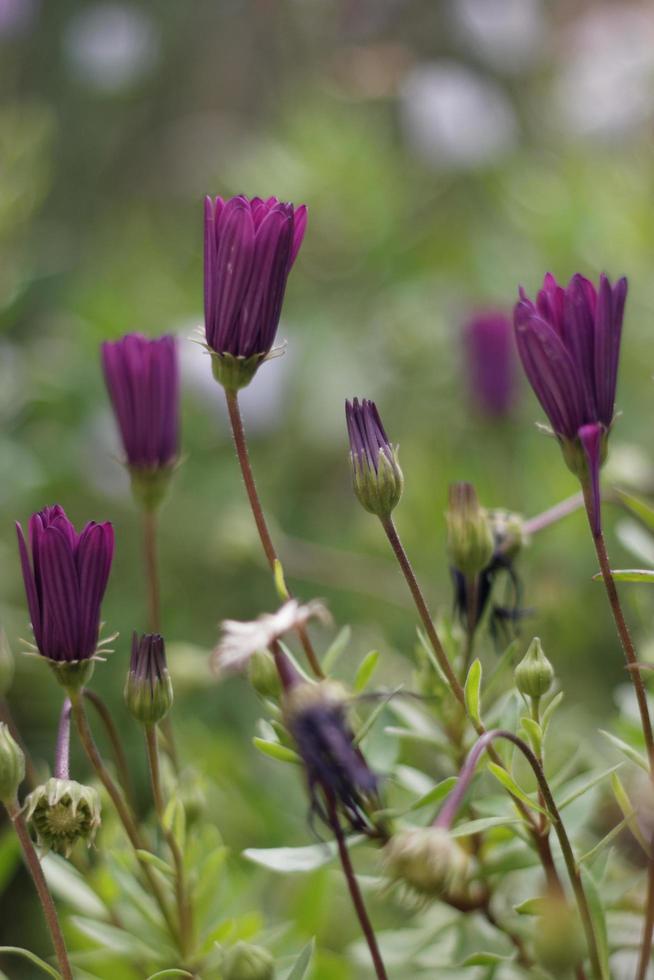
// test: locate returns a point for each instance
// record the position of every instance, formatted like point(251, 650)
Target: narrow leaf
point(280, 581)
point(628, 575)
point(599, 921)
point(366, 670)
point(302, 963)
point(533, 732)
point(173, 972)
point(587, 786)
point(509, 783)
point(33, 958)
point(472, 691)
point(338, 646)
point(373, 716)
point(289, 860)
point(549, 711)
point(605, 840)
point(627, 809)
point(149, 858)
point(471, 827)
point(276, 751)
point(628, 750)
point(638, 508)
point(532, 906)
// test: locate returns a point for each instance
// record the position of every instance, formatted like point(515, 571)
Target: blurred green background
point(447, 151)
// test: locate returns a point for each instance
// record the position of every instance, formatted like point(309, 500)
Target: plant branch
point(240, 444)
point(62, 747)
point(114, 738)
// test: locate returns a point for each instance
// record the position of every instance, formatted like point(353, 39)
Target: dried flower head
point(250, 246)
point(239, 641)
point(376, 474)
point(65, 583)
point(63, 812)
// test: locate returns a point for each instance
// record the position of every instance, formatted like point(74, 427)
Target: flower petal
point(60, 596)
point(93, 563)
point(30, 586)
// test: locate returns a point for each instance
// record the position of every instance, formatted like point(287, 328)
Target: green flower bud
point(246, 962)
point(427, 859)
point(534, 674)
point(148, 688)
point(6, 663)
point(470, 543)
point(263, 675)
point(12, 765)
point(376, 475)
point(63, 812)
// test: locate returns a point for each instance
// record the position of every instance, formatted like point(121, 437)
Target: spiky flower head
point(65, 583)
point(148, 687)
point(63, 812)
point(12, 765)
point(245, 961)
point(534, 674)
point(142, 377)
point(491, 362)
point(376, 474)
point(569, 344)
point(470, 542)
point(250, 246)
point(427, 859)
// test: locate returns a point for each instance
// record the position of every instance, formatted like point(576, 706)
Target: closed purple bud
point(148, 688)
point(142, 378)
point(490, 362)
point(250, 246)
point(65, 581)
point(376, 475)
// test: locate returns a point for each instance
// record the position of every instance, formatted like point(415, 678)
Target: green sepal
point(234, 372)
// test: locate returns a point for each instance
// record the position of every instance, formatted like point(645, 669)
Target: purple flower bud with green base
point(148, 688)
point(490, 361)
point(65, 581)
point(376, 474)
point(142, 378)
point(569, 344)
point(250, 246)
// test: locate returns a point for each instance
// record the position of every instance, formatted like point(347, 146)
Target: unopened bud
point(63, 812)
point(470, 542)
point(12, 765)
point(263, 675)
point(534, 674)
point(148, 688)
point(376, 475)
point(558, 937)
point(427, 859)
point(247, 962)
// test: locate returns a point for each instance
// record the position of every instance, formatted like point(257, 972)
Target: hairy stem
point(240, 444)
point(62, 747)
point(45, 898)
point(184, 910)
point(449, 811)
point(355, 891)
point(122, 809)
point(117, 749)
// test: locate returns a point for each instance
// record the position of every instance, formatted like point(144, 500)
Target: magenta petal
point(590, 437)
point(299, 229)
point(231, 273)
point(60, 597)
point(30, 586)
point(608, 333)
point(93, 562)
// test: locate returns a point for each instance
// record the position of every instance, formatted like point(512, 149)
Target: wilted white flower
point(240, 640)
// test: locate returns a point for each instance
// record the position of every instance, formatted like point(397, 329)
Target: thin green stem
point(240, 444)
point(122, 809)
point(45, 898)
point(184, 910)
point(355, 891)
point(645, 957)
point(117, 749)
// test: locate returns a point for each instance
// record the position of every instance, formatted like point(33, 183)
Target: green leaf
point(471, 827)
point(280, 581)
point(302, 963)
point(296, 860)
point(472, 691)
point(505, 660)
point(276, 751)
point(373, 716)
point(599, 921)
point(532, 906)
point(628, 750)
point(66, 883)
point(605, 840)
point(33, 958)
point(639, 508)
point(119, 941)
point(173, 972)
point(435, 795)
point(546, 717)
point(149, 858)
point(588, 785)
point(509, 783)
point(9, 856)
point(534, 733)
point(486, 959)
point(337, 648)
point(627, 810)
point(628, 575)
point(366, 670)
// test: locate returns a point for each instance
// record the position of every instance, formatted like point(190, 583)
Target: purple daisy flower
point(490, 362)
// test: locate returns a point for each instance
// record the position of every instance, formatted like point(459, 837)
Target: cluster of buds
point(427, 860)
point(63, 812)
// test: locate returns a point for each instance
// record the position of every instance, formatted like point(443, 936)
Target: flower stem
point(62, 747)
point(449, 810)
point(184, 910)
point(240, 444)
point(355, 891)
point(622, 628)
point(114, 738)
point(36, 871)
point(149, 518)
point(122, 809)
point(648, 926)
point(553, 514)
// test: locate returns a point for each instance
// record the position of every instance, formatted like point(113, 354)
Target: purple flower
point(249, 249)
point(65, 582)
point(142, 377)
point(569, 344)
point(490, 361)
point(376, 473)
